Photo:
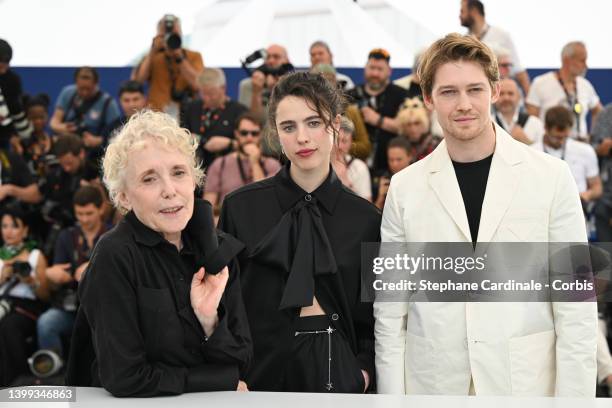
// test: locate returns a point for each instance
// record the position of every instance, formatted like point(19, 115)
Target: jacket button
point(308, 197)
point(335, 316)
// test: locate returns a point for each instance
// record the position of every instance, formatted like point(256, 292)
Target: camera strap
point(80, 110)
point(572, 101)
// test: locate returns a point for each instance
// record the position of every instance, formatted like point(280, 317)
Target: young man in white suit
point(481, 185)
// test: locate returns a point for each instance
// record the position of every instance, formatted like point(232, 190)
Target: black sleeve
point(232, 337)
point(191, 116)
point(109, 300)
point(63, 248)
point(20, 173)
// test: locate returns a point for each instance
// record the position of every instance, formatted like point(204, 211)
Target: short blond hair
point(412, 114)
point(143, 126)
point(456, 47)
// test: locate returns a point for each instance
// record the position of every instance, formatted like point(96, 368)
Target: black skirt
point(321, 360)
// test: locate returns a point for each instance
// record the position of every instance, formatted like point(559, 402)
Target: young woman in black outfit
point(300, 271)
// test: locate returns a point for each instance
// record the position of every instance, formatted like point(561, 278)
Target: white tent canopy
point(117, 32)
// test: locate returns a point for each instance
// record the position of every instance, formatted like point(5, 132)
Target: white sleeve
point(592, 165)
point(593, 98)
point(575, 322)
point(533, 97)
point(534, 129)
point(391, 317)
point(362, 184)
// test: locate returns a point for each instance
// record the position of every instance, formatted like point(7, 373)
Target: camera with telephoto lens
point(266, 70)
point(171, 39)
point(45, 363)
point(22, 269)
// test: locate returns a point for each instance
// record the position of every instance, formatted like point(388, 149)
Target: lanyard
point(572, 101)
point(562, 151)
point(245, 179)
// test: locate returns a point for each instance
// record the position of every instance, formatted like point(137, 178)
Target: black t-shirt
point(472, 178)
point(14, 170)
point(58, 189)
point(387, 103)
point(207, 123)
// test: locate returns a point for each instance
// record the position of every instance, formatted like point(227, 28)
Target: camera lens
point(173, 41)
point(45, 363)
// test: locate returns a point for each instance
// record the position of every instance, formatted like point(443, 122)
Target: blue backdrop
point(51, 80)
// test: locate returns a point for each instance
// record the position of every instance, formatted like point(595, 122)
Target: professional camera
point(266, 70)
point(45, 363)
point(173, 40)
point(54, 213)
point(360, 98)
point(22, 269)
point(277, 72)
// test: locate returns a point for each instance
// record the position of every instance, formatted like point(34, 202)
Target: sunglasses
point(253, 133)
point(506, 65)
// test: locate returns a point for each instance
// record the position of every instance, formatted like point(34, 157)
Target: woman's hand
point(242, 386)
point(366, 380)
point(205, 294)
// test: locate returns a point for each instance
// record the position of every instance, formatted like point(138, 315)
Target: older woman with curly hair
point(162, 311)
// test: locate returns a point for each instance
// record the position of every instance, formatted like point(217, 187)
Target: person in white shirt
point(522, 126)
point(354, 173)
point(580, 156)
point(472, 16)
point(567, 87)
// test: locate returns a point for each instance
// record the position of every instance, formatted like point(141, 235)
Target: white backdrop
point(117, 32)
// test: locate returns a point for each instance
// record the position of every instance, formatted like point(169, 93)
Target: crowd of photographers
point(54, 207)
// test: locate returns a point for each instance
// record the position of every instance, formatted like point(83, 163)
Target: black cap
point(6, 52)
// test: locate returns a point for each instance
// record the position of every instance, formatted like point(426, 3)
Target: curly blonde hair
point(143, 126)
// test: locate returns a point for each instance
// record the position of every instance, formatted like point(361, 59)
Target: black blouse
point(271, 218)
point(135, 305)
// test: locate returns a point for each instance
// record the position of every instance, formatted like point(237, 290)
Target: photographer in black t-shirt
point(379, 100)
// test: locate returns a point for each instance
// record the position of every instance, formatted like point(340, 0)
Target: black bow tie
point(299, 247)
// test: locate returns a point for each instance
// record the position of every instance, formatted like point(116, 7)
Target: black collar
point(151, 238)
point(142, 233)
point(289, 193)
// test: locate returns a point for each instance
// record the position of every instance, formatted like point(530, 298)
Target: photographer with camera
point(70, 259)
point(379, 101)
point(63, 178)
point(16, 180)
point(211, 117)
point(23, 293)
point(255, 91)
point(85, 110)
point(170, 69)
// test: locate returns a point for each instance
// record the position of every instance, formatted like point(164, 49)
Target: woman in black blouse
point(300, 272)
point(158, 322)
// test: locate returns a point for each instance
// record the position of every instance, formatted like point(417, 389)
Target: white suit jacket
point(534, 349)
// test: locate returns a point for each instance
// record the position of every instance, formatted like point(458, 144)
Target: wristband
point(380, 121)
